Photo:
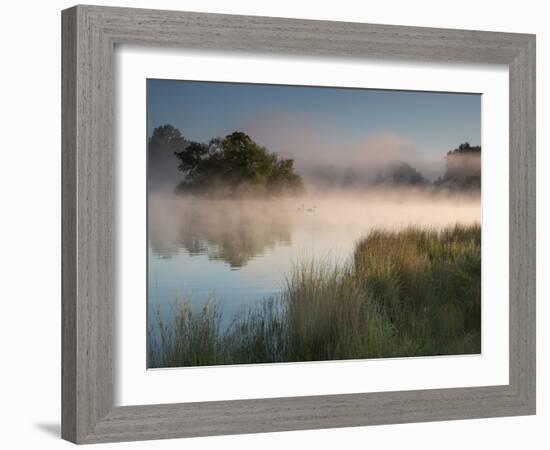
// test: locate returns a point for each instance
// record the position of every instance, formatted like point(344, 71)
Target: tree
point(164, 143)
point(167, 136)
point(463, 168)
point(235, 164)
point(400, 173)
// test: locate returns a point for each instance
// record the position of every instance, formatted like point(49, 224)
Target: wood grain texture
point(68, 226)
point(523, 224)
point(89, 36)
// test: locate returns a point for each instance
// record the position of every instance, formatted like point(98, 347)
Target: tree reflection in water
point(233, 231)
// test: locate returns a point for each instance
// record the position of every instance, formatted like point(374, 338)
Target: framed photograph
point(277, 224)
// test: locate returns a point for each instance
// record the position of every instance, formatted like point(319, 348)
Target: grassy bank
point(414, 292)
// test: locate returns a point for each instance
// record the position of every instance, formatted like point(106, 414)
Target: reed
point(414, 292)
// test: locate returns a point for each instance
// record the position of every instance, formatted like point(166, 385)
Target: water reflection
point(226, 230)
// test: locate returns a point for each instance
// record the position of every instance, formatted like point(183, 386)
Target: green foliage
point(235, 165)
point(429, 285)
point(414, 292)
point(192, 338)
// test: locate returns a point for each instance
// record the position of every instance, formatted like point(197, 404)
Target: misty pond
point(237, 253)
point(298, 223)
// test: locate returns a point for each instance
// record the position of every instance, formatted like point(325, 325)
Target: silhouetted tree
point(400, 173)
point(164, 143)
point(463, 168)
point(167, 136)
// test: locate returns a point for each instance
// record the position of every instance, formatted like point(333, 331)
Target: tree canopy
point(234, 165)
point(464, 149)
point(167, 137)
point(162, 162)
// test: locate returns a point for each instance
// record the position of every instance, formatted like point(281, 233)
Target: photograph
point(301, 223)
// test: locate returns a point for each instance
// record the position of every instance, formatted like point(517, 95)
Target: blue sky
point(318, 122)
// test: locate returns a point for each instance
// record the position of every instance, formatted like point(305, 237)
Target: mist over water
point(238, 251)
point(235, 230)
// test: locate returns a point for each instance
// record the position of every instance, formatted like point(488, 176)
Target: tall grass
point(413, 292)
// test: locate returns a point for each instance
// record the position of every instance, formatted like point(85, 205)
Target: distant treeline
point(462, 171)
point(238, 165)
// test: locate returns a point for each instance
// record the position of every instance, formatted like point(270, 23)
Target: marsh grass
point(414, 292)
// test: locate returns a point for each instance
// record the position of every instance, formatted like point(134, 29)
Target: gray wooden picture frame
point(90, 34)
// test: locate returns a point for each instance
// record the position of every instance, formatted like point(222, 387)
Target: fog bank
point(235, 230)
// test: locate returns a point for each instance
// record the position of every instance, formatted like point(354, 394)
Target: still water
point(238, 252)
